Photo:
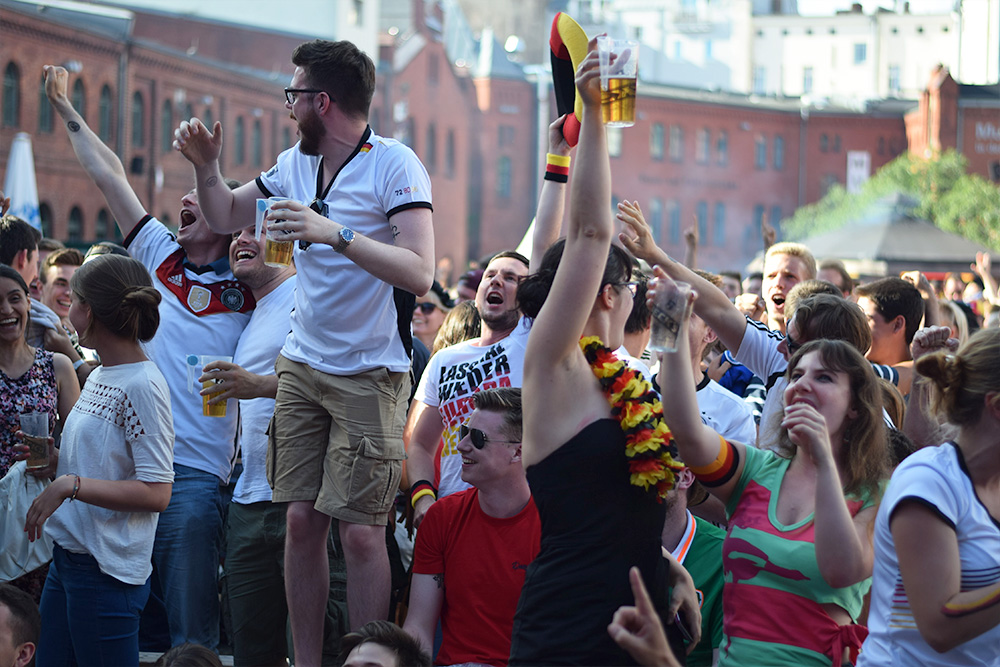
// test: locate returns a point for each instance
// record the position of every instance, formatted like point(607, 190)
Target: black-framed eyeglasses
point(426, 307)
point(633, 286)
point(290, 93)
point(479, 439)
point(792, 345)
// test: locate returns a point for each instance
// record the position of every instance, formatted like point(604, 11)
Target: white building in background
point(853, 55)
point(354, 20)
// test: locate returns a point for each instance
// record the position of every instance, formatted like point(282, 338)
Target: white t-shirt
point(201, 313)
point(256, 352)
point(453, 375)
point(120, 429)
point(759, 352)
point(725, 412)
point(938, 478)
point(344, 321)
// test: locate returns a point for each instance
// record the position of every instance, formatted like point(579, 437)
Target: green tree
point(937, 189)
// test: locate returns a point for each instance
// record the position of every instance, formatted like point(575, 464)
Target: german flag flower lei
point(648, 446)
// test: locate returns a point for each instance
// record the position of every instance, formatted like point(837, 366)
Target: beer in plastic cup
point(668, 310)
point(35, 426)
point(217, 409)
point(619, 62)
point(277, 253)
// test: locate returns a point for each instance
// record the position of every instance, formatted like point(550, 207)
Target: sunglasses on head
point(479, 438)
point(426, 307)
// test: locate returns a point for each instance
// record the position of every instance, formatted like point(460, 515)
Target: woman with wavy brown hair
point(936, 588)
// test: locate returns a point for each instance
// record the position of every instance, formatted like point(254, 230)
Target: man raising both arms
point(343, 373)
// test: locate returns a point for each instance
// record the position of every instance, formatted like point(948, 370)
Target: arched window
point(44, 109)
point(79, 98)
point(102, 229)
point(166, 126)
point(208, 118)
point(449, 154)
point(431, 157)
point(138, 120)
point(286, 138)
point(257, 144)
point(188, 112)
point(11, 96)
point(105, 115)
point(45, 215)
point(239, 142)
point(74, 228)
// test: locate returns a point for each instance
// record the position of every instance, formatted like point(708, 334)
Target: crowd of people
point(495, 472)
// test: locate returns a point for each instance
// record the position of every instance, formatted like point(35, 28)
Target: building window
point(11, 96)
point(257, 144)
point(701, 215)
point(614, 141)
point(656, 219)
point(894, 79)
point(860, 53)
point(286, 137)
point(506, 135)
point(779, 153)
point(827, 182)
point(431, 153)
point(44, 110)
point(449, 154)
point(433, 68)
point(355, 15)
point(45, 215)
point(752, 233)
point(676, 143)
point(881, 145)
point(102, 228)
point(656, 139)
point(674, 217)
point(166, 127)
point(836, 143)
point(503, 177)
point(240, 142)
point(807, 80)
point(208, 118)
point(104, 114)
point(759, 80)
point(722, 148)
point(760, 152)
point(74, 228)
point(701, 143)
point(79, 98)
point(824, 143)
point(719, 228)
point(138, 120)
point(775, 218)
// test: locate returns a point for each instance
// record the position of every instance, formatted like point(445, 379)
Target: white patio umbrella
point(19, 182)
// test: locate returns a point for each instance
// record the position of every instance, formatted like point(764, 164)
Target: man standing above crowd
point(473, 549)
point(203, 312)
point(343, 373)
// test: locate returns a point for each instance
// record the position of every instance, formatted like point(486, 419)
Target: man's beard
point(311, 132)
point(505, 321)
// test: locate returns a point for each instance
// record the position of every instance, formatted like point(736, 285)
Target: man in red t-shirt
point(473, 547)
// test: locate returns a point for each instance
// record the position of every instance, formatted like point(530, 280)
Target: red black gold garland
point(648, 444)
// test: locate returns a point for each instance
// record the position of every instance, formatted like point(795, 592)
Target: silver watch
point(346, 238)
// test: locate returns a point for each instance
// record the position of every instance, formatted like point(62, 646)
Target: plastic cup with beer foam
point(669, 309)
point(195, 366)
point(35, 426)
point(619, 62)
point(277, 252)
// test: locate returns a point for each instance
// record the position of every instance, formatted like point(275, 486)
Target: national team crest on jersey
point(204, 298)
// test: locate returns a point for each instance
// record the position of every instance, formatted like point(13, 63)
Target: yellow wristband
point(420, 494)
point(557, 160)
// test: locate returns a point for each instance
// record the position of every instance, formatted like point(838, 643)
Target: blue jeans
point(88, 617)
point(186, 557)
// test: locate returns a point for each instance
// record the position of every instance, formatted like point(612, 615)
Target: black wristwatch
point(346, 238)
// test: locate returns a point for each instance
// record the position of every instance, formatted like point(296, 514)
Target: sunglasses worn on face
point(479, 438)
point(426, 307)
point(792, 345)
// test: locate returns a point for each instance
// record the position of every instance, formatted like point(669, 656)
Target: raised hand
point(932, 339)
point(56, 83)
point(195, 142)
point(637, 236)
point(807, 430)
point(637, 628)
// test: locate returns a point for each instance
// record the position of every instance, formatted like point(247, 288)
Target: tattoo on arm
point(395, 231)
point(439, 578)
point(211, 182)
point(73, 126)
